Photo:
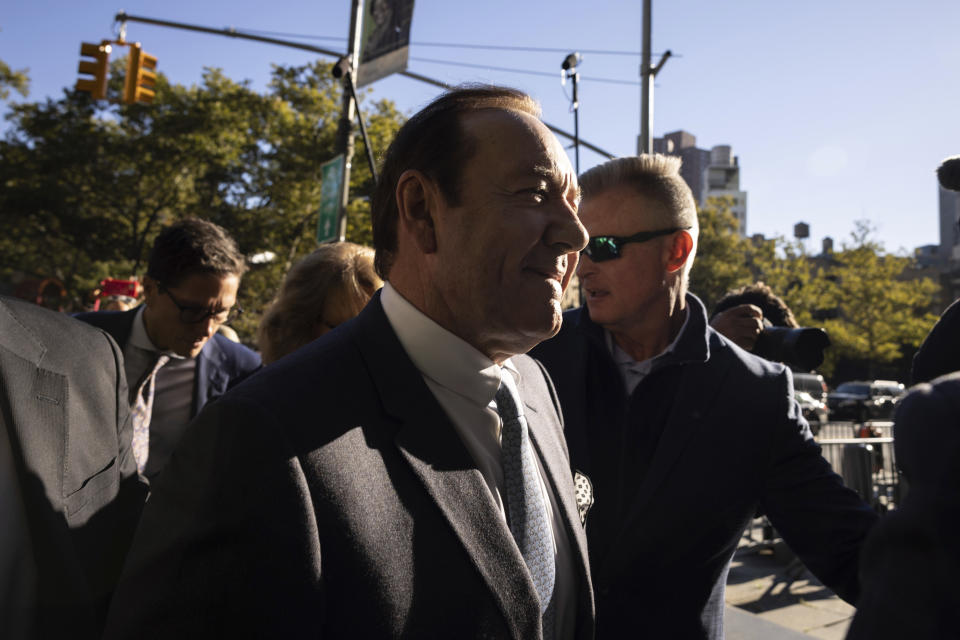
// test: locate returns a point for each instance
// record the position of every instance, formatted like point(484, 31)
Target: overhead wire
point(459, 45)
point(521, 71)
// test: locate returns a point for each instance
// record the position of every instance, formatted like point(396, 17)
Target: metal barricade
point(868, 466)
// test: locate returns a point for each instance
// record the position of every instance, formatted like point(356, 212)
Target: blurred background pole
point(345, 142)
point(648, 73)
point(645, 143)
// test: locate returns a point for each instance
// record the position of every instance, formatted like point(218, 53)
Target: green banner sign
point(331, 193)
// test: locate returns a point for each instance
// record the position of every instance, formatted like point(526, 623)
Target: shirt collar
point(441, 356)
point(622, 358)
point(138, 334)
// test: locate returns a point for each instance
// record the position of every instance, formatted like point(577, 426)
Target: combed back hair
point(655, 176)
point(434, 142)
point(328, 287)
point(774, 308)
point(193, 246)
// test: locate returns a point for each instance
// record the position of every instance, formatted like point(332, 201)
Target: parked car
point(861, 400)
point(812, 383)
point(815, 411)
point(810, 390)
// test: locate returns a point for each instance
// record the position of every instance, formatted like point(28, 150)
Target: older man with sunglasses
point(174, 358)
point(685, 435)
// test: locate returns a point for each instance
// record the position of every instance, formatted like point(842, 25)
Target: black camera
point(800, 347)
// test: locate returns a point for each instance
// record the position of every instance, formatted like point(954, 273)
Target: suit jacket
point(63, 401)
point(330, 496)
point(940, 352)
point(911, 560)
point(220, 363)
point(726, 438)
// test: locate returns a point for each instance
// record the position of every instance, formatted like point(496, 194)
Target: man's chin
point(191, 350)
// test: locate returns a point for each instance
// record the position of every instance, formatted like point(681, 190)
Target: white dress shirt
point(464, 382)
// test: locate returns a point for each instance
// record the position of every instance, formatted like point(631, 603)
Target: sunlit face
point(621, 291)
point(162, 316)
point(507, 252)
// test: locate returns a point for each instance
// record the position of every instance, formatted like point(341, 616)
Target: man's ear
point(417, 203)
point(678, 251)
point(150, 290)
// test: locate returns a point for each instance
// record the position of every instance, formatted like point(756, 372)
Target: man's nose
point(566, 231)
point(210, 326)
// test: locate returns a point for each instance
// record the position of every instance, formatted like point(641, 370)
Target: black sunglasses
point(193, 315)
point(602, 248)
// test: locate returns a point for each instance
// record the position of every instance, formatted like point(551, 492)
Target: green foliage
point(878, 313)
point(861, 295)
point(86, 186)
point(16, 80)
point(723, 256)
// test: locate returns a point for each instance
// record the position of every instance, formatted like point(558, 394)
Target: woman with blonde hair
point(329, 286)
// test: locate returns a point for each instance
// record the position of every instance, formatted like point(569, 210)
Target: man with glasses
point(685, 435)
point(174, 358)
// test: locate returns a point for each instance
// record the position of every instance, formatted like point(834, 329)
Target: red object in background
point(112, 287)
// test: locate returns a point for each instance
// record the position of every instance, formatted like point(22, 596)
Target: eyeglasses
point(193, 315)
point(603, 248)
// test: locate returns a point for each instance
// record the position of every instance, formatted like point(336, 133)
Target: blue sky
point(837, 111)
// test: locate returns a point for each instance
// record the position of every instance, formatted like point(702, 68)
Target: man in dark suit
point(175, 359)
point(69, 494)
point(684, 434)
point(911, 560)
point(381, 482)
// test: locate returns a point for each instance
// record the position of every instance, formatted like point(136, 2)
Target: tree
point(723, 256)
point(87, 186)
point(878, 313)
point(16, 80)
point(861, 295)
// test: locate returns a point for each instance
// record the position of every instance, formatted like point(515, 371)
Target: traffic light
point(97, 67)
point(141, 76)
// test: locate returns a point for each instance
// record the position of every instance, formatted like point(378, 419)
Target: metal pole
point(345, 141)
point(576, 119)
point(363, 128)
point(645, 143)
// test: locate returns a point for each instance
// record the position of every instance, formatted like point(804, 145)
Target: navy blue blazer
point(220, 364)
point(724, 438)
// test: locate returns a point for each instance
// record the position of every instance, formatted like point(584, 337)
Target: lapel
point(31, 395)
point(435, 454)
point(211, 377)
point(701, 378)
point(538, 413)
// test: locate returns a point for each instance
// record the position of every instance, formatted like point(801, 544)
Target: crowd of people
point(425, 444)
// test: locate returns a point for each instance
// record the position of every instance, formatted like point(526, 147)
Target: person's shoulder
point(62, 336)
point(243, 358)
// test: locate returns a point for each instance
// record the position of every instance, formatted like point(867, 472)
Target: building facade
point(709, 173)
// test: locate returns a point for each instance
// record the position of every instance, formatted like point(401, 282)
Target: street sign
point(331, 191)
point(385, 42)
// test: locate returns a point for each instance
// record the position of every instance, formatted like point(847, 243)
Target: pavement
point(772, 596)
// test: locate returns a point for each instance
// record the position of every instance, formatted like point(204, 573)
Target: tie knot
point(508, 401)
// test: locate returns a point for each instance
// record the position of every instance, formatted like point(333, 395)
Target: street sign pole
point(345, 138)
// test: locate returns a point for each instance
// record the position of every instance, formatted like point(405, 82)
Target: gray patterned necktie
point(141, 413)
point(526, 508)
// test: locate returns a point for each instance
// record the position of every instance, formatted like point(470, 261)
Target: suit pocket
point(96, 491)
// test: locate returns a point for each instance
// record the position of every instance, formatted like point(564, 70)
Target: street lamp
point(569, 70)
